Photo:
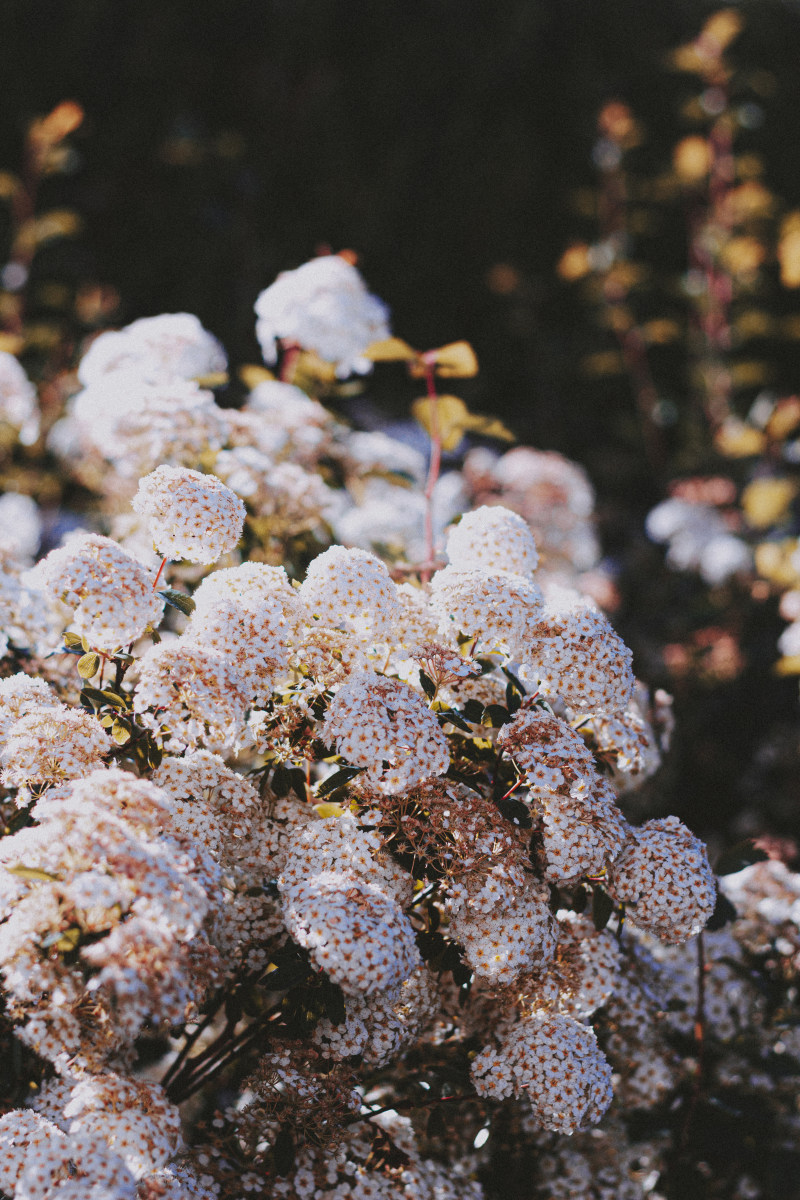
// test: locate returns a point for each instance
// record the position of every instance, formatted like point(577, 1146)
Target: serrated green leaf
point(179, 600)
point(88, 665)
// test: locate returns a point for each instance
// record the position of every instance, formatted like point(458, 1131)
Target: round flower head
point(573, 652)
point(322, 306)
point(190, 515)
point(494, 538)
point(383, 725)
point(494, 606)
point(556, 1063)
point(664, 879)
point(195, 691)
point(352, 590)
point(111, 590)
point(356, 933)
point(169, 346)
point(50, 745)
point(136, 424)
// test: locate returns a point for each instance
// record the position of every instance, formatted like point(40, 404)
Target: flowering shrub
point(320, 837)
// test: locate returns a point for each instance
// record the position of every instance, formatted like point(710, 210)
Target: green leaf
point(36, 873)
point(72, 640)
point(179, 600)
point(455, 718)
point(88, 665)
point(427, 684)
point(496, 715)
point(120, 734)
point(737, 857)
point(473, 711)
point(337, 779)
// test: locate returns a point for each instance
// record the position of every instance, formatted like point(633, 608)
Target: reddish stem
point(434, 467)
point(164, 562)
point(290, 352)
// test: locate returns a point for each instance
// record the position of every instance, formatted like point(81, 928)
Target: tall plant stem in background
point(632, 345)
point(710, 228)
point(434, 467)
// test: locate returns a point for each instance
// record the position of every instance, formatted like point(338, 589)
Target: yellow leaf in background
point(33, 873)
point(9, 185)
point(785, 418)
point(11, 343)
point(775, 562)
point(751, 374)
point(743, 255)
point(452, 418)
point(454, 361)
point(217, 379)
point(789, 250)
point(750, 200)
point(309, 369)
point(788, 665)
point(722, 27)
point(661, 332)
point(58, 124)
point(446, 414)
point(391, 350)
point(575, 262)
point(490, 427)
point(753, 323)
point(252, 375)
point(691, 159)
point(737, 440)
point(606, 362)
point(766, 501)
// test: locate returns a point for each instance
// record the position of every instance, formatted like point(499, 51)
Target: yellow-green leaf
point(35, 873)
point(120, 734)
point(766, 501)
point(88, 665)
point(444, 416)
point(457, 360)
point(391, 350)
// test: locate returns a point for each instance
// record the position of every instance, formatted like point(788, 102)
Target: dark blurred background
point(442, 140)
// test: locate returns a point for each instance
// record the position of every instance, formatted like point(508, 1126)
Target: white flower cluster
point(554, 496)
point(328, 831)
point(323, 306)
point(190, 515)
point(663, 877)
point(352, 590)
point(157, 349)
point(383, 725)
point(97, 915)
point(556, 1061)
point(698, 540)
point(111, 592)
